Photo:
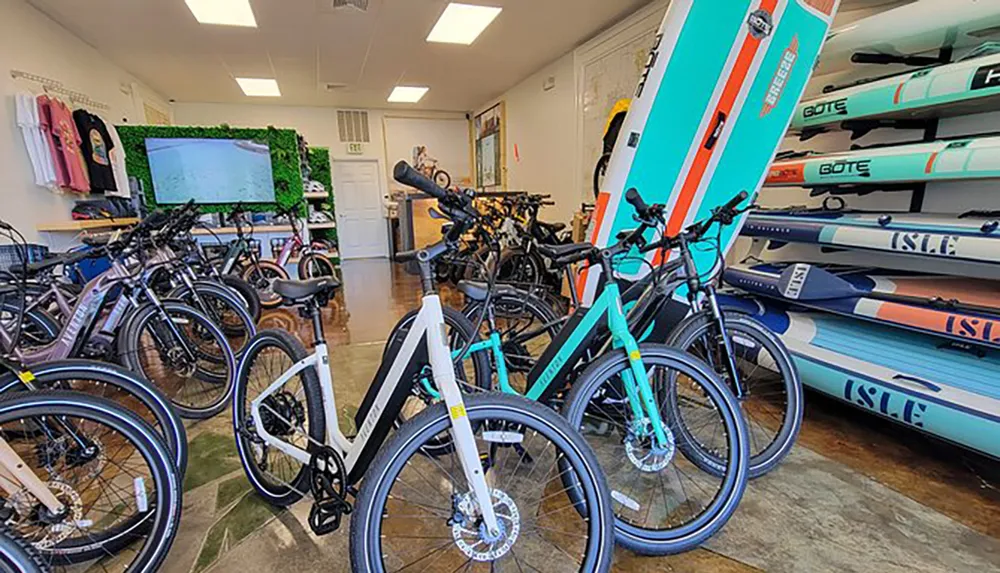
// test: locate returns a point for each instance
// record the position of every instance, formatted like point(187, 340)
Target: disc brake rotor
point(470, 532)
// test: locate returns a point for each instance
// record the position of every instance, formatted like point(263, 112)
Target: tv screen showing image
point(210, 171)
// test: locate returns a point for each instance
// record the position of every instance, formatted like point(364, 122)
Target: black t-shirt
point(96, 146)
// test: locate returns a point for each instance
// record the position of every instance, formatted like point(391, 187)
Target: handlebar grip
point(735, 201)
point(635, 200)
point(407, 175)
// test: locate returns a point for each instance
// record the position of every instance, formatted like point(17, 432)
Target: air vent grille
point(353, 126)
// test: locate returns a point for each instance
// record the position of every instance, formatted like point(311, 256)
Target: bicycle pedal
point(325, 516)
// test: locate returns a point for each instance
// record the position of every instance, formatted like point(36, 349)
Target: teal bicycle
point(639, 406)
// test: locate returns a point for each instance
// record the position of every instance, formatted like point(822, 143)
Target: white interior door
point(361, 229)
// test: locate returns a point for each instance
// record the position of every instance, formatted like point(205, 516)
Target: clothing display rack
point(56, 87)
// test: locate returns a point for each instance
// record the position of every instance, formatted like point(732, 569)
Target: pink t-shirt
point(64, 127)
point(53, 140)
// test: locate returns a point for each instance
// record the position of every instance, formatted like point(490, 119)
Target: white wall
point(542, 125)
point(31, 42)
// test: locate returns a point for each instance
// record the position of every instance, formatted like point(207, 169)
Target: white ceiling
point(305, 45)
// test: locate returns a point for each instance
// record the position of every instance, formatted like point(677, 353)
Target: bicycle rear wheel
point(110, 470)
point(415, 510)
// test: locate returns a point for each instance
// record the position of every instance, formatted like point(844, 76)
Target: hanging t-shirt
point(117, 154)
point(96, 146)
point(53, 139)
point(34, 140)
point(64, 127)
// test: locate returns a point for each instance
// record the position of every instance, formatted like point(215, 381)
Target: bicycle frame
point(570, 344)
point(372, 431)
point(16, 475)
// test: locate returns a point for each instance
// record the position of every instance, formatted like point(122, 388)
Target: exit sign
point(355, 149)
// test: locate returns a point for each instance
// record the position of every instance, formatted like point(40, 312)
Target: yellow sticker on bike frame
point(26, 377)
point(457, 412)
point(634, 355)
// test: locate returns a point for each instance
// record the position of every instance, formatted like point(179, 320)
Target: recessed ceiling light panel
point(462, 23)
point(407, 94)
point(223, 12)
point(259, 87)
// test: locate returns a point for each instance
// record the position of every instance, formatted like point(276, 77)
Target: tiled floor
point(856, 494)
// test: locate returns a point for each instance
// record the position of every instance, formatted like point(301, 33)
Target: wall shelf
point(318, 226)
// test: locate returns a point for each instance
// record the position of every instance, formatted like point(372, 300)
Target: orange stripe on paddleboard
point(899, 93)
point(741, 69)
point(599, 210)
point(930, 163)
point(973, 327)
point(966, 291)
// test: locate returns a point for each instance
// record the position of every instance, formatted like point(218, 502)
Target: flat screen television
point(210, 171)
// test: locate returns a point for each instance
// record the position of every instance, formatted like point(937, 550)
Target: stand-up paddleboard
point(711, 108)
point(923, 26)
point(855, 293)
point(965, 87)
point(969, 238)
point(902, 376)
point(959, 159)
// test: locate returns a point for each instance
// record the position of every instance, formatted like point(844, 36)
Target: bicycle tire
point(39, 326)
point(162, 516)
point(442, 178)
point(646, 540)
point(168, 424)
point(516, 412)
point(128, 349)
point(691, 329)
point(600, 170)
point(281, 495)
point(314, 265)
point(515, 351)
point(19, 556)
point(242, 329)
point(246, 293)
point(260, 277)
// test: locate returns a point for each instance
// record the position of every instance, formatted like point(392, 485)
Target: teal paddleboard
point(719, 89)
point(905, 377)
point(948, 160)
point(961, 88)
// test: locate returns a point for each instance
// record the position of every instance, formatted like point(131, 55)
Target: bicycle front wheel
point(771, 399)
point(184, 354)
point(664, 502)
point(417, 511)
point(115, 478)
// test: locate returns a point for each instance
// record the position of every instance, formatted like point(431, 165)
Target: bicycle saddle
point(478, 290)
point(554, 227)
point(560, 251)
point(301, 290)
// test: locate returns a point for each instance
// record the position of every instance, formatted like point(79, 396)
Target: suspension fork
point(725, 342)
point(171, 328)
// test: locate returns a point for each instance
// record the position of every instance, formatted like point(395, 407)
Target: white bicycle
point(493, 494)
